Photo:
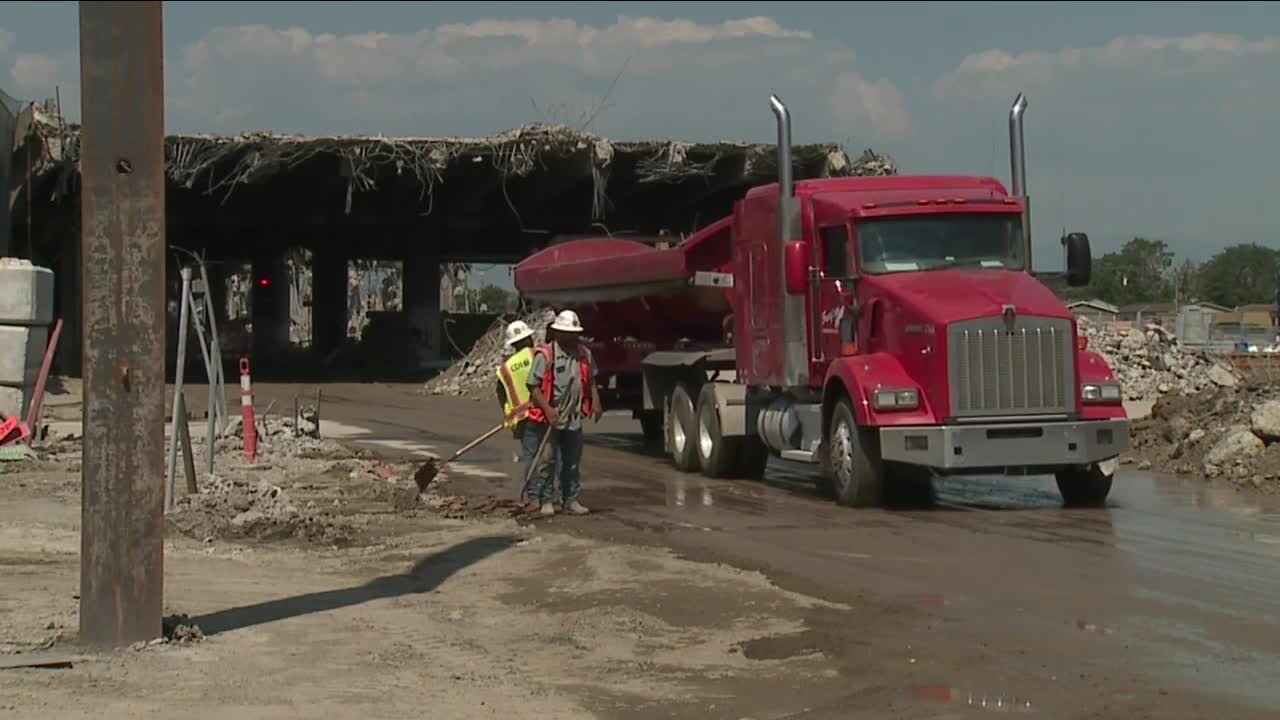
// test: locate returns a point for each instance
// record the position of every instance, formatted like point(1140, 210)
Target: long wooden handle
point(497, 429)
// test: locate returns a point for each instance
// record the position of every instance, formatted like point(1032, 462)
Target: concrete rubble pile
point(239, 507)
point(473, 376)
point(1149, 363)
point(1228, 433)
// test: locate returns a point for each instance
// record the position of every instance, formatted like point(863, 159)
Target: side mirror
point(1079, 259)
point(797, 259)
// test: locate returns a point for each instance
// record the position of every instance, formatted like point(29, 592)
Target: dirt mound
point(1219, 432)
point(238, 508)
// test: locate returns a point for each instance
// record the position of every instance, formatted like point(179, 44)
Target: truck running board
point(804, 456)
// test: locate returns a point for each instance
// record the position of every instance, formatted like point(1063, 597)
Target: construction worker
point(563, 376)
point(513, 380)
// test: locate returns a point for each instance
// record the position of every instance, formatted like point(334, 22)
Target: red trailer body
point(887, 329)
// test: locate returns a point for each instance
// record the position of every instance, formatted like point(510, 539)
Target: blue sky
point(1153, 119)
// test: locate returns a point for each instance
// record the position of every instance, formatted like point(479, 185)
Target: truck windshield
point(932, 242)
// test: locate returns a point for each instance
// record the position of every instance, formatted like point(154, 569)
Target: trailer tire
point(857, 472)
point(1084, 487)
point(682, 429)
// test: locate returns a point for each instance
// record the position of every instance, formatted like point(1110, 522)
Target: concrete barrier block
point(21, 350)
point(14, 402)
point(26, 293)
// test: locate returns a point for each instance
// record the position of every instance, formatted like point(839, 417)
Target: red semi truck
point(885, 329)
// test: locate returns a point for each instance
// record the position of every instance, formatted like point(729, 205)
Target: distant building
point(1194, 325)
point(1096, 311)
point(1163, 314)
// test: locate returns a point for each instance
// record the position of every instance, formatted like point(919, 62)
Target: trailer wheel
point(857, 473)
point(1084, 487)
point(718, 454)
point(682, 429)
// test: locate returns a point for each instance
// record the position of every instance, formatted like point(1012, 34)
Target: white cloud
point(874, 108)
point(35, 72)
point(489, 75)
point(997, 71)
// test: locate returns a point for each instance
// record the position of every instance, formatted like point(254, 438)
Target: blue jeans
point(562, 456)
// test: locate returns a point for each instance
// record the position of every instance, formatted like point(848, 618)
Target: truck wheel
point(857, 473)
point(1084, 487)
point(682, 430)
point(651, 426)
point(718, 454)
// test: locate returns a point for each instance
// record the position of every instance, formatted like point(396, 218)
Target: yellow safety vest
point(514, 376)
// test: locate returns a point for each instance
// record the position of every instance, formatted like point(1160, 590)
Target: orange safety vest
point(549, 383)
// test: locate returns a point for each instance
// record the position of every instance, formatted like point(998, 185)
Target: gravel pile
point(1151, 364)
point(473, 376)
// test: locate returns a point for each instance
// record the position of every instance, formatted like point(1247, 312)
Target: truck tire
point(719, 455)
point(1084, 487)
point(651, 426)
point(857, 473)
point(682, 430)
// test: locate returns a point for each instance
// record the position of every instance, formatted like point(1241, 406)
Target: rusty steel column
point(122, 214)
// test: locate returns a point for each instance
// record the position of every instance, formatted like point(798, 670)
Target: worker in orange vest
point(563, 376)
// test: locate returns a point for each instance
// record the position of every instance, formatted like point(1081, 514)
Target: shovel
point(431, 468)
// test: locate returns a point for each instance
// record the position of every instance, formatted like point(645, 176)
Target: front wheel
point(856, 472)
point(1084, 487)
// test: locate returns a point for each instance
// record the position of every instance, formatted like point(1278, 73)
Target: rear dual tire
point(742, 456)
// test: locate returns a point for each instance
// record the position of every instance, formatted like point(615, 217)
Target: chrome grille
point(1028, 371)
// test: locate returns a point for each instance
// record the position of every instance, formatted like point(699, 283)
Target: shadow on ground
point(425, 575)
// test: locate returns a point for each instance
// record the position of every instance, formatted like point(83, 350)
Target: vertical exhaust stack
point(786, 182)
point(795, 358)
point(1018, 169)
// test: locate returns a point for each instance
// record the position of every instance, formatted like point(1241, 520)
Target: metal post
point(123, 280)
point(179, 407)
point(215, 349)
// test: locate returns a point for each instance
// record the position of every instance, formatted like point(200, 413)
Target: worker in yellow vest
point(513, 374)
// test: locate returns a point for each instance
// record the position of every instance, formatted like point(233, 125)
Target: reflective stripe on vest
point(514, 375)
point(549, 383)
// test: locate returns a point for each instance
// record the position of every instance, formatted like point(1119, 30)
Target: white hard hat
point(567, 321)
point(517, 331)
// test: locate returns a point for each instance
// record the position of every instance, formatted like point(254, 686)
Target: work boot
point(548, 509)
point(577, 508)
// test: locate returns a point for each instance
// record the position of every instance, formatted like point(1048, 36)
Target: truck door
point(835, 295)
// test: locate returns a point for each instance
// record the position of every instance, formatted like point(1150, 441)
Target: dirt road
point(681, 597)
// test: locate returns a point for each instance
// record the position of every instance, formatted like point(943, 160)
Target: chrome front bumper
point(1007, 445)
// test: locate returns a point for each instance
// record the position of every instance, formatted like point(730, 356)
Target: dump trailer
point(884, 329)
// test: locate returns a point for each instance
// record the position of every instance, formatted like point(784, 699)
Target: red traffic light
point(264, 282)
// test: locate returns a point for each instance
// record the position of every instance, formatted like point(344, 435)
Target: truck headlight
point(1101, 393)
point(890, 399)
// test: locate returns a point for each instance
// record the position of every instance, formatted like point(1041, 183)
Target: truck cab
point(915, 336)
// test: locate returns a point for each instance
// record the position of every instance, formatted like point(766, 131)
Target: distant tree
point(1186, 282)
point(1240, 275)
point(1139, 272)
point(496, 299)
